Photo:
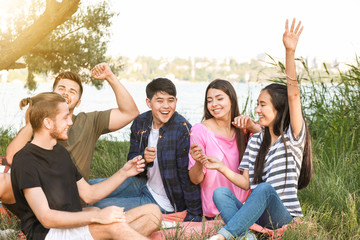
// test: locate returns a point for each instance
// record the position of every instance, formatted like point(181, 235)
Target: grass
point(331, 203)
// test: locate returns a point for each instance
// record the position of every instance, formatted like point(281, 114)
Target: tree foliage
point(77, 44)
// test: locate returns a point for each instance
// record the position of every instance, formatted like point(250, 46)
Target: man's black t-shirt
point(53, 171)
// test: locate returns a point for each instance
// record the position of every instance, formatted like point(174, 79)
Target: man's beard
point(55, 133)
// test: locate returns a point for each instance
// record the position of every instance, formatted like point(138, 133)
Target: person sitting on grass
point(47, 185)
point(86, 129)
point(277, 161)
point(162, 138)
point(220, 135)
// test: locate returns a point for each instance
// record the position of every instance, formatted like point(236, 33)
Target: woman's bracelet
point(292, 79)
point(292, 84)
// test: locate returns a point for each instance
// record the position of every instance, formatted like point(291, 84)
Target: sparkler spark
point(190, 133)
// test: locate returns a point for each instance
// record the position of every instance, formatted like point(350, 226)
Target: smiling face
point(218, 103)
point(61, 123)
point(69, 90)
point(163, 106)
point(265, 109)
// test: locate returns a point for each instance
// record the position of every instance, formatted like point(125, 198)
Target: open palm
point(291, 37)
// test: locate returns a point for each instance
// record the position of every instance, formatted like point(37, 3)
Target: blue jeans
point(133, 192)
point(263, 207)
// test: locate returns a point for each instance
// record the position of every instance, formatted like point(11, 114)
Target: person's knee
point(116, 229)
point(154, 213)
point(265, 187)
point(219, 193)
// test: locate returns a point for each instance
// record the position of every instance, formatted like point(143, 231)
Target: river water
point(190, 101)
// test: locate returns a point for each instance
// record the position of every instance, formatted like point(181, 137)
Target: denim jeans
point(133, 192)
point(263, 207)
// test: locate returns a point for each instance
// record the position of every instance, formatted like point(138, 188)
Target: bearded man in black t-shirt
point(47, 186)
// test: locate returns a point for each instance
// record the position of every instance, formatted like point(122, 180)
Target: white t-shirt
point(155, 183)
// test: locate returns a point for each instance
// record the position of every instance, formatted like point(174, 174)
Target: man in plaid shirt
point(161, 137)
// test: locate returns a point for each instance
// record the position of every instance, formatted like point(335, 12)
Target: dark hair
point(44, 105)
point(279, 99)
point(71, 76)
point(228, 89)
point(160, 85)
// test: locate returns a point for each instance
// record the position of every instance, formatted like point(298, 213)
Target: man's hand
point(101, 71)
point(133, 166)
point(110, 215)
point(149, 154)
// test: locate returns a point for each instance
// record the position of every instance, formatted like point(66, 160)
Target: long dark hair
point(279, 99)
point(226, 87)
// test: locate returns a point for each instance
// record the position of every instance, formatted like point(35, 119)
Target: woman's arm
point(290, 40)
point(240, 180)
point(196, 173)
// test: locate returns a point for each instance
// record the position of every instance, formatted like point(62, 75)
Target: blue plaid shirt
point(172, 154)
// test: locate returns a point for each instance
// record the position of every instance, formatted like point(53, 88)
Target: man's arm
point(191, 191)
point(127, 109)
point(50, 218)
point(94, 193)
point(18, 142)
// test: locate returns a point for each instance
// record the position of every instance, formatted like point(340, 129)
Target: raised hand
point(110, 215)
point(197, 153)
point(149, 154)
point(291, 37)
point(134, 166)
point(101, 71)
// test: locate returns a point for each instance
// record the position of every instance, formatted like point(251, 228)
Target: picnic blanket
point(187, 229)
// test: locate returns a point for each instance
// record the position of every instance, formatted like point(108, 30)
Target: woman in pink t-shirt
point(223, 134)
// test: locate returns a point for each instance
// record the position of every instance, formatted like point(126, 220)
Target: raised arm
point(127, 109)
point(50, 218)
point(290, 40)
point(18, 142)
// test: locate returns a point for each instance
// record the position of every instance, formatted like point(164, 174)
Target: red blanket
point(187, 229)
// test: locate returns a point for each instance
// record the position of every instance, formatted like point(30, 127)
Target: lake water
point(190, 101)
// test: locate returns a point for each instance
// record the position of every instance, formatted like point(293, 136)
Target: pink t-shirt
point(224, 149)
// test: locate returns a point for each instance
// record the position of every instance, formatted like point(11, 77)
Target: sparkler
point(142, 132)
point(190, 134)
point(193, 137)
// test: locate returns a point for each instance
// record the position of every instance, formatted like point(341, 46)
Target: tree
point(56, 39)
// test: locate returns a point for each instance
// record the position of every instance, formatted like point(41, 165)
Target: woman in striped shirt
point(277, 161)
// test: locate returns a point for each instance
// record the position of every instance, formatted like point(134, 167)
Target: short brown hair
point(71, 76)
point(44, 105)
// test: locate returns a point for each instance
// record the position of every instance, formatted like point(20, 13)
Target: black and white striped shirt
point(285, 184)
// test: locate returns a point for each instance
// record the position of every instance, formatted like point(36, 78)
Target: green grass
point(331, 203)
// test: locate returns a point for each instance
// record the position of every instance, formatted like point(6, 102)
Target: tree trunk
point(54, 15)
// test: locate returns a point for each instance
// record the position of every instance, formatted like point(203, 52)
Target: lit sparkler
point(142, 132)
point(190, 133)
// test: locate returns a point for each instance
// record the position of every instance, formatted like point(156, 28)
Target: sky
point(242, 29)
point(234, 28)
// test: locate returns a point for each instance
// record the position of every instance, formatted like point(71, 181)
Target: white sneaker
point(214, 238)
point(4, 234)
point(249, 236)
